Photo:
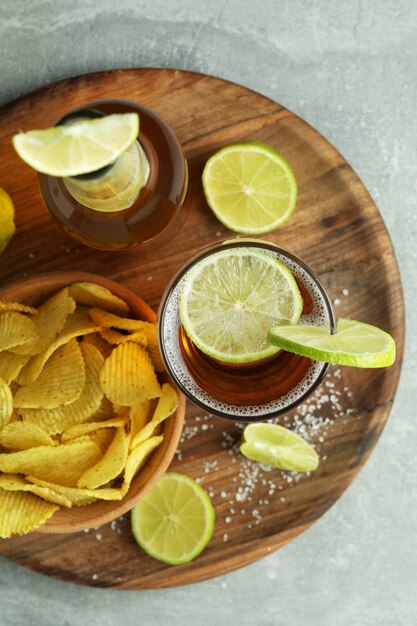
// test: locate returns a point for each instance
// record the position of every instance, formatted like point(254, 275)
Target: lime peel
point(7, 225)
point(355, 344)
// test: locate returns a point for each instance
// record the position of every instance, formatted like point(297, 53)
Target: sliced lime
point(7, 227)
point(231, 298)
point(355, 343)
point(80, 147)
point(279, 447)
point(175, 520)
point(250, 187)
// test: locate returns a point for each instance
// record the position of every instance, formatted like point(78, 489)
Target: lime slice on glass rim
point(250, 187)
point(278, 447)
point(230, 300)
point(174, 521)
point(79, 147)
point(7, 226)
point(355, 343)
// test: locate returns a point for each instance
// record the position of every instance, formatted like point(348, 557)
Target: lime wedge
point(250, 187)
point(231, 298)
point(355, 343)
point(80, 147)
point(7, 227)
point(174, 521)
point(279, 447)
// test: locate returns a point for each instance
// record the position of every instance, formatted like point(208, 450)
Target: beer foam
point(169, 334)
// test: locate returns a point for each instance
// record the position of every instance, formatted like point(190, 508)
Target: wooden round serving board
point(336, 228)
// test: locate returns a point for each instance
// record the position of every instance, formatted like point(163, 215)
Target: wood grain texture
point(336, 229)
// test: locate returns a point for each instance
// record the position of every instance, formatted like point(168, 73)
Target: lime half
point(175, 520)
point(279, 447)
point(231, 298)
point(355, 343)
point(250, 187)
point(7, 227)
point(80, 147)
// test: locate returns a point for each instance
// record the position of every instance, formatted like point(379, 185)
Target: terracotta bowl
point(33, 291)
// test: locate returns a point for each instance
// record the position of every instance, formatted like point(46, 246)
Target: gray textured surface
point(349, 69)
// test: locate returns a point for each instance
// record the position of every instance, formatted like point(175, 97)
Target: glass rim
point(185, 268)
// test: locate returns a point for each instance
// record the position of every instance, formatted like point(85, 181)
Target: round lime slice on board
point(250, 188)
point(80, 147)
point(278, 447)
point(175, 520)
point(355, 343)
point(230, 299)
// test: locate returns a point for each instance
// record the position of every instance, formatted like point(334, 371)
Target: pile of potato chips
point(80, 403)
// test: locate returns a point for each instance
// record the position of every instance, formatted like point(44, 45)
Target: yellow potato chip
point(15, 330)
point(21, 436)
point(137, 459)
point(81, 497)
point(111, 465)
point(78, 430)
point(167, 404)
point(10, 365)
point(13, 482)
point(102, 437)
point(115, 337)
point(128, 376)
point(77, 324)
point(22, 513)
point(16, 306)
point(94, 295)
point(140, 414)
point(105, 411)
point(6, 404)
point(109, 320)
point(60, 382)
point(63, 464)
point(96, 340)
point(49, 322)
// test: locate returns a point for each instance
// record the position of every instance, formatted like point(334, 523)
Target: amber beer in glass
point(252, 391)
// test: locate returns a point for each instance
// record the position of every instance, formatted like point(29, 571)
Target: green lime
point(175, 520)
point(7, 227)
point(279, 447)
point(355, 343)
point(231, 298)
point(250, 187)
point(83, 146)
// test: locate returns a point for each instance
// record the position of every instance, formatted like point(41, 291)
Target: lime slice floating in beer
point(278, 447)
point(7, 227)
point(175, 520)
point(355, 343)
point(230, 300)
point(250, 187)
point(80, 147)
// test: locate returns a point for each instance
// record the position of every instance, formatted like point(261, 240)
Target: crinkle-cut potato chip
point(105, 411)
point(63, 464)
point(93, 295)
point(16, 306)
point(140, 414)
point(6, 404)
point(11, 365)
point(78, 430)
point(13, 482)
point(111, 464)
point(81, 497)
point(128, 376)
point(22, 513)
point(167, 404)
point(15, 329)
point(115, 337)
point(22, 436)
point(96, 340)
point(109, 320)
point(137, 459)
point(49, 322)
point(60, 382)
point(102, 437)
point(77, 324)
